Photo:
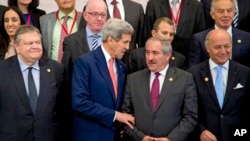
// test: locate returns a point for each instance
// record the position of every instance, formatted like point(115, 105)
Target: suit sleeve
point(127, 107)
point(194, 53)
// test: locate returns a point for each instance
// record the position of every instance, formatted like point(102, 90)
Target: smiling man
point(162, 98)
point(222, 11)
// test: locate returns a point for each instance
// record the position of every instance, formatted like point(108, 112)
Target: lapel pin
point(48, 70)
point(239, 41)
point(173, 58)
point(206, 79)
point(170, 79)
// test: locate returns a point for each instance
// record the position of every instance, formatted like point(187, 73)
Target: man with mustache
point(162, 98)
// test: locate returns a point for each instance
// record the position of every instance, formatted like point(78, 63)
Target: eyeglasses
point(96, 14)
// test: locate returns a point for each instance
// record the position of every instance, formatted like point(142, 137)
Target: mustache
point(151, 62)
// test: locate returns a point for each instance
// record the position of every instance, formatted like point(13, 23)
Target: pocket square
point(238, 86)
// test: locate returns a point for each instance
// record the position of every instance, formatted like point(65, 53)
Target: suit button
point(221, 116)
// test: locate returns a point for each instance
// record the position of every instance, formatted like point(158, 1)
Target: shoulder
point(49, 15)
point(38, 11)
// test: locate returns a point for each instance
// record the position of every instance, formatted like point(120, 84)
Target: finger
point(130, 125)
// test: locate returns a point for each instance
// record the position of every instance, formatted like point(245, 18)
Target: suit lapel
point(237, 41)
point(208, 80)
point(18, 82)
point(167, 84)
point(51, 24)
point(101, 64)
point(44, 84)
point(121, 74)
point(82, 41)
point(165, 10)
point(233, 73)
point(145, 87)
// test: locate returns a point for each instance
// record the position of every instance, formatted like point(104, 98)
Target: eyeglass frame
point(96, 14)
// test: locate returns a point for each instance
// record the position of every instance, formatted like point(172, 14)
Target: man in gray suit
point(52, 25)
point(162, 98)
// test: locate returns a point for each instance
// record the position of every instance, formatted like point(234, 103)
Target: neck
point(66, 11)
point(23, 8)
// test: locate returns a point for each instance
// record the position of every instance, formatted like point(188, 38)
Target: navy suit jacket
point(17, 121)
point(240, 51)
point(219, 121)
point(93, 97)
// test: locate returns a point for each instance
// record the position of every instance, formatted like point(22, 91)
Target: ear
point(212, 15)
point(153, 32)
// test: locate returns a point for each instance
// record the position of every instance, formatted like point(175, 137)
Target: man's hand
point(161, 139)
point(207, 136)
point(128, 119)
point(148, 138)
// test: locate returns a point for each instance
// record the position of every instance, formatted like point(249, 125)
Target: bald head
point(219, 46)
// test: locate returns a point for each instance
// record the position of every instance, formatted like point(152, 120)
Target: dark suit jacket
point(17, 121)
point(93, 97)
point(137, 60)
point(240, 51)
point(35, 15)
point(74, 46)
point(190, 21)
point(2, 8)
point(176, 112)
point(244, 14)
point(219, 121)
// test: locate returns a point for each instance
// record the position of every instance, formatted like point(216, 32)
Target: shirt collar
point(162, 72)
point(213, 65)
point(24, 66)
point(71, 14)
point(90, 33)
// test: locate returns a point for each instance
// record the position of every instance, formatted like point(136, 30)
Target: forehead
point(10, 13)
point(29, 36)
point(153, 45)
point(224, 4)
point(166, 26)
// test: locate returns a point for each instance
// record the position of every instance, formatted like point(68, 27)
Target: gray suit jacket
point(176, 113)
point(47, 23)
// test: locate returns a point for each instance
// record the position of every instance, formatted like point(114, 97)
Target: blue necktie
point(32, 91)
point(219, 87)
point(94, 42)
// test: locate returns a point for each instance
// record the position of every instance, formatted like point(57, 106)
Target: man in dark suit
point(163, 111)
point(162, 27)
point(219, 117)
point(23, 117)
point(243, 10)
point(2, 8)
point(98, 86)
point(222, 12)
point(188, 20)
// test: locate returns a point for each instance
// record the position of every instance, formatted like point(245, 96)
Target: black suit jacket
point(221, 122)
point(35, 15)
point(137, 60)
point(191, 20)
point(244, 14)
point(2, 8)
point(17, 121)
point(240, 51)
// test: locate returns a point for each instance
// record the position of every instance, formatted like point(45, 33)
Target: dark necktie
point(32, 90)
point(155, 91)
point(116, 12)
point(219, 87)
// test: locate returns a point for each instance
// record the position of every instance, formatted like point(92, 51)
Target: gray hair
point(116, 28)
point(25, 29)
point(166, 46)
point(208, 36)
point(212, 9)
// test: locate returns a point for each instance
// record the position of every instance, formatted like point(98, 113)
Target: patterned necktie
point(112, 75)
point(116, 12)
point(236, 16)
point(94, 42)
point(62, 36)
point(155, 91)
point(174, 7)
point(219, 87)
point(32, 91)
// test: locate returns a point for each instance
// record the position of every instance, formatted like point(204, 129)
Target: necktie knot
point(157, 74)
point(174, 2)
point(219, 69)
point(114, 2)
point(94, 41)
point(65, 19)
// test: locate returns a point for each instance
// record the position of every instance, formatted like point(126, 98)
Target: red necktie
point(112, 75)
point(155, 91)
point(116, 12)
point(63, 35)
